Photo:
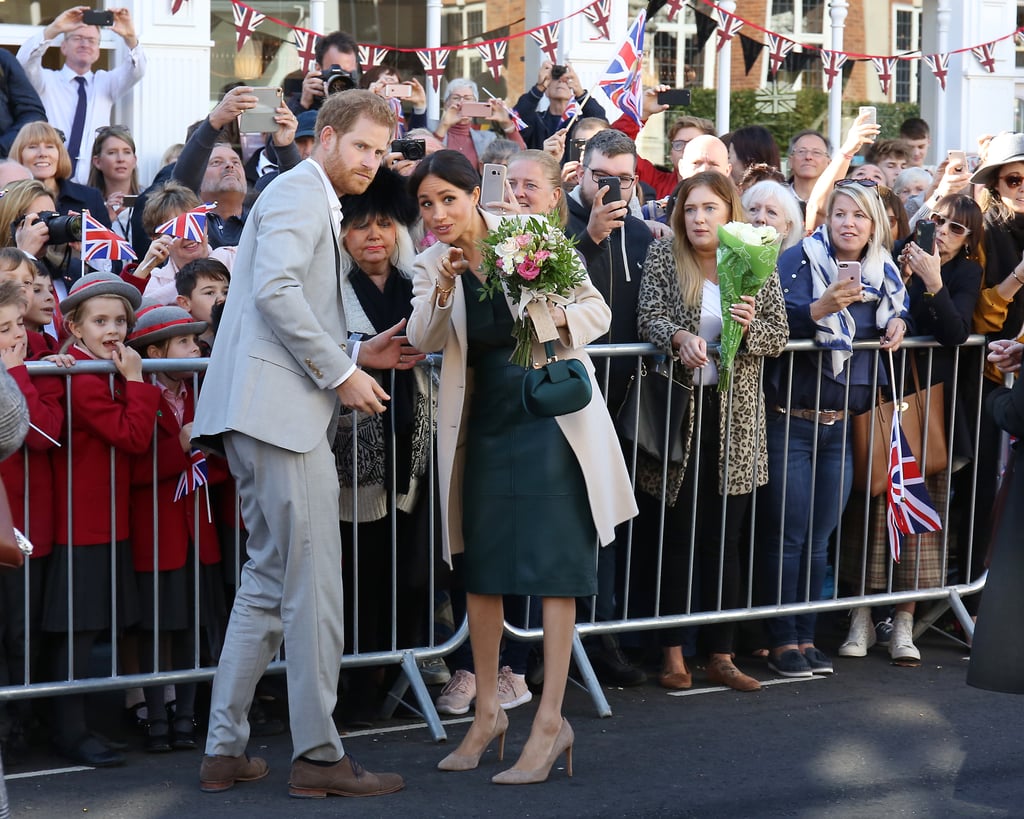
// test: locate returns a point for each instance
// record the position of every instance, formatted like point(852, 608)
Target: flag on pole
point(909, 508)
point(194, 476)
point(190, 225)
point(621, 80)
point(100, 242)
point(572, 110)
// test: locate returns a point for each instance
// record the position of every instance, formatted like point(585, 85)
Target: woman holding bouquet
point(680, 311)
point(524, 498)
point(810, 458)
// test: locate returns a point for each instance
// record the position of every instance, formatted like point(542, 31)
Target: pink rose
point(528, 270)
point(500, 263)
point(523, 240)
point(428, 240)
point(541, 255)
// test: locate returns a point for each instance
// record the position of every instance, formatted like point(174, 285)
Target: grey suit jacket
point(281, 341)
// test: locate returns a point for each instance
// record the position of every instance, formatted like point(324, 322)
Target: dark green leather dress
point(526, 518)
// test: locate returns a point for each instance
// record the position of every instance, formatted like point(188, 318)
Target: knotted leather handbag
point(559, 387)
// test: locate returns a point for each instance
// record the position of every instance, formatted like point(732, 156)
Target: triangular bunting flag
point(305, 45)
point(176, 6)
point(884, 66)
point(370, 56)
point(494, 56)
point(728, 26)
point(985, 56)
point(599, 13)
point(778, 48)
point(751, 51)
point(833, 62)
point(673, 7)
point(434, 61)
point(939, 65)
point(246, 19)
point(547, 39)
point(706, 26)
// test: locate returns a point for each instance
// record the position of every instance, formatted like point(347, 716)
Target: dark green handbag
point(559, 387)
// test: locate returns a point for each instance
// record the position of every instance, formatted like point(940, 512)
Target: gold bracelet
point(443, 292)
point(1018, 278)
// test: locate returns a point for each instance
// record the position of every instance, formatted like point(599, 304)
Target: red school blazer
point(105, 413)
point(175, 520)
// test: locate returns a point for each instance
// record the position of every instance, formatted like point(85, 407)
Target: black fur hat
point(387, 195)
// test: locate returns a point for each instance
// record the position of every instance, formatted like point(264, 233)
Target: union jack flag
point(621, 80)
point(909, 508)
point(599, 13)
point(190, 225)
point(434, 61)
point(370, 56)
point(305, 43)
point(193, 477)
point(246, 19)
point(100, 242)
point(728, 25)
point(494, 56)
point(547, 38)
point(939, 65)
point(884, 66)
point(572, 110)
point(833, 62)
point(517, 120)
point(985, 56)
point(778, 49)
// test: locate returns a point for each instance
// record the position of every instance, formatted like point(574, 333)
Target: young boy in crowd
point(203, 284)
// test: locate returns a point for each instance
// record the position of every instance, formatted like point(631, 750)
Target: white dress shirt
point(59, 93)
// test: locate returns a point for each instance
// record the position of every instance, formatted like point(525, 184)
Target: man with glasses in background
point(809, 155)
point(77, 99)
point(614, 245)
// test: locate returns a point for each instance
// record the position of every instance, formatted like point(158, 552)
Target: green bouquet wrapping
point(746, 258)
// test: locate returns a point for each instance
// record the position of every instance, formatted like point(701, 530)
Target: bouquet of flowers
point(532, 261)
point(746, 258)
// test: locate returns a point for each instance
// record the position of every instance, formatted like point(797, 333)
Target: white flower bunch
point(752, 235)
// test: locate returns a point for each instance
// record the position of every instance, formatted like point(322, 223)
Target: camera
point(558, 71)
point(414, 149)
point(337, 79)
point(63, 229)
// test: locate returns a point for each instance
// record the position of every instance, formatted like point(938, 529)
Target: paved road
point(871, 741)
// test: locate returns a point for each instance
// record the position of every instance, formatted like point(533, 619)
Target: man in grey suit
point(279, 367)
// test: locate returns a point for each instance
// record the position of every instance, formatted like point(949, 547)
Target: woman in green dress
point(525, 499)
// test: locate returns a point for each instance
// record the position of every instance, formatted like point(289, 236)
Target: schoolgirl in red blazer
point(112, 418)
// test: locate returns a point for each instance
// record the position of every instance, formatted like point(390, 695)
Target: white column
point(433, 41)
point(837, 14)
point(317, 20)
point(724, 78)
point(940, 136)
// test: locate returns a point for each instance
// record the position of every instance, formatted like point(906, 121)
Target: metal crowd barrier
point(406, 631)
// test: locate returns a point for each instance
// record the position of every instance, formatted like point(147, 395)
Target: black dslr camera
point(63, 229)
point(414, 149)
point(558, 71)
point(337, 79)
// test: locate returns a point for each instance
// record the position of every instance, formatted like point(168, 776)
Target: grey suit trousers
point(291, 588)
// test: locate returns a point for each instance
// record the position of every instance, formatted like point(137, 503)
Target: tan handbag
point(928, 445)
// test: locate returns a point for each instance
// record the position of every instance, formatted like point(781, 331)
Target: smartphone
point(849, 271)
point(260, 120)
point(128, 201)
point(956, 161)
point(97, 17)
point(576, 147)
point(676, 96)
point(400, 90)
point(870, 111)
point(924, 235)
point(492, 189)
point(475, 109)
point(614, 188)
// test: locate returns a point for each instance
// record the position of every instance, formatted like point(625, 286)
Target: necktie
point(78, 125)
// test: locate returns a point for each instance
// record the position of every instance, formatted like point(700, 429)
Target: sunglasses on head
point(1012, 180)
point(955, 228)
point(864, 183)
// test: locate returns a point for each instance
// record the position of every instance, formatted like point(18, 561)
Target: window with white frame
point(906, 36)
point(675, 58)
point(802, 21)
point(463, 24)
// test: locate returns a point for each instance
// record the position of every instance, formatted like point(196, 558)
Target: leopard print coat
point(660, 315)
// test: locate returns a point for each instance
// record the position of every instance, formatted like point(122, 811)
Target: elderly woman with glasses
point(458, 130)
point(840, 285)
point(115, 174)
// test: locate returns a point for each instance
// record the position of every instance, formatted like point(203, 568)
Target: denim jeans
point(818, 472)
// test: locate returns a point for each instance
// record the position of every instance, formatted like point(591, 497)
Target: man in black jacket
point(614, 245)
point(560, 91)
point(19, 102)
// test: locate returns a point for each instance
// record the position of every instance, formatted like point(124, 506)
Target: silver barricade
point(407, 629)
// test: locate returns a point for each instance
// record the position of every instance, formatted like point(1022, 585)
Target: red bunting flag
point(370, 56)
point(728, 26)
point(884, 66)
point(305, 45)
point(985, 56)
point(599, 13)
point(778, 49)
point(939, 65)
point(547, 39)
point(833, 62)
point(434, 61)
point(246, 19)
point(176, 6)
point(494, 56)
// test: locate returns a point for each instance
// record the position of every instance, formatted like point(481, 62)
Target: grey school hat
point(100, 284)
point(1002, 150)
point(160, 322)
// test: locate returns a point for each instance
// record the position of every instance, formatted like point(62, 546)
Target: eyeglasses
point(1012, 180)
point(78, 38)
point(808, 153)
point(679, 144)
point(112, 130)
point(954, 227)
point(624, 180)
point(864, 183)
point(462, 98)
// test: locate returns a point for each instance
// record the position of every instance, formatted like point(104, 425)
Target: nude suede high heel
point(563, 742)
point(467, 762)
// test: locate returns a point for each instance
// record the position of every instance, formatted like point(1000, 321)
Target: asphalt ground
point(873, 740)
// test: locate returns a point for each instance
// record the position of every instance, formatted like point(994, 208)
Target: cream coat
point(589, 432)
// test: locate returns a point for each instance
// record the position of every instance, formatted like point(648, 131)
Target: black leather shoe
point(611, 665)
point(158, 737)
point(183, 734)
point(90, 751)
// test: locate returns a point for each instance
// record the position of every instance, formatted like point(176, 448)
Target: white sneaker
point(458, 695)
point(512, 689)
point(861, 636)
point(901, 646)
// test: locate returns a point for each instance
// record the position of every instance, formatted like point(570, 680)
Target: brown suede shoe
point(218, 773)
point(346, 777)
point(725, 673)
